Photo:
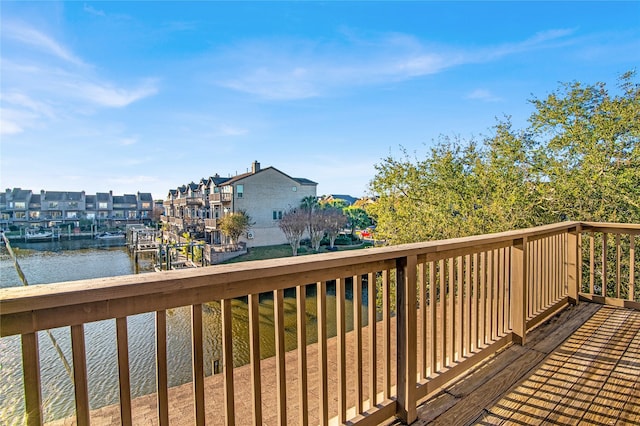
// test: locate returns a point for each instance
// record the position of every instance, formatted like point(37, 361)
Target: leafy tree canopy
point(579, 159)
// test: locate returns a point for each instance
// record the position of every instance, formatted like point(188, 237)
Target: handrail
point(48, 296)
point(457, 302)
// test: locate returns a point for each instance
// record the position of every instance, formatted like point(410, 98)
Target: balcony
point(537, 324)
point(220, 197)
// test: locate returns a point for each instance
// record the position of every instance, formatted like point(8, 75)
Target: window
point(20, 205)
point(277, 214)
point(146, 205)
point(53, 205)
point(103, 205)
point(34, 215)
point(20, 215)
point(294, 188)
point(239, 190)
point(73, 204)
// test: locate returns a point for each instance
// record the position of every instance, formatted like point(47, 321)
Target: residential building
point(265, 194)
point(24, 208)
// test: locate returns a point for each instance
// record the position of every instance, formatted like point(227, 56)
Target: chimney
point(255, 167)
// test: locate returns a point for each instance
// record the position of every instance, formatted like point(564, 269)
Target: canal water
point(49, 262)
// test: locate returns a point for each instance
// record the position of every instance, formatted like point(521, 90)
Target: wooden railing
point(436, 310)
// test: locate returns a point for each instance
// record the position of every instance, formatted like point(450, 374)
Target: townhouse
point(24, 208)
point(263, 193)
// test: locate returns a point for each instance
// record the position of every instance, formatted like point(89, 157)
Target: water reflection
point(46, 264)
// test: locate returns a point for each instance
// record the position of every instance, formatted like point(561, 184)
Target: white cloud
point(9, 127)
point(128, 141)
point(105, 94)
point(41, 88)
point(29, 36)
point(91, 11)
point(232, 131)
point(298, 69)
point(483, 95)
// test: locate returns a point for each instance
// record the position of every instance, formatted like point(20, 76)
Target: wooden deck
point(582, 367)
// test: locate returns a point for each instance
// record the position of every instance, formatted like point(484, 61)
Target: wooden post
point(519, 290)
point(407, 337)
point(574, 264)
point(31, 371)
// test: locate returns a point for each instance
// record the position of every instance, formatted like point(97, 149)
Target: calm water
point(50, 262)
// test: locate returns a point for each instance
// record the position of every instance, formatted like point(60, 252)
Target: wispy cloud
point(483, 95)
point(128, 141)
point(90, 10)
point(37, 66)
point(28, 36)
point(298, 69)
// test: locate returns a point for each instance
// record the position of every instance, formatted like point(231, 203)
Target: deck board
point(582, 367)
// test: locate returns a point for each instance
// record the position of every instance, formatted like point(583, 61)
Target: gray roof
point(20, 194)
point(348, 198)
point(145, 196)
point(103, 196)
point(304, 181)
point(63, 196)
point(35, 199)
point(90, 199)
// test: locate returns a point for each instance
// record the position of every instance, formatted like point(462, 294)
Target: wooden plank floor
point(580, 368)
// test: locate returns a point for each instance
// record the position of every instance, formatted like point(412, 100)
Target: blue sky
point(146, 96)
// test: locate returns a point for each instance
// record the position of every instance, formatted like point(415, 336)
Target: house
point(24, 208)
point(265, 194)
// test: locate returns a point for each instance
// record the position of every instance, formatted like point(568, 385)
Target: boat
point(38, 235)
point(109, 235)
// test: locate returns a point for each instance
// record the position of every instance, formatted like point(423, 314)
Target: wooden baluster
point(301, 311)
point(254, 349)
point(386, 333)
point(500, 285)
point(281, 379)
point(443, 315)
point(451, 298)
point(341, 347)
point(468, 316)
point(422, 290)
point(198, 362)
point(80, 374)
point(482, 314)
point(632, 267)
point(321, 300)
point(605, 291)
point(475, 298)
point(227, 362)
point(459, 326)
point(162, 381)
point(123, 371)
point(31, 374)
point(618, 265)
point(373, 359)
point(592, 262)
point(433, 320)
point(357, 328)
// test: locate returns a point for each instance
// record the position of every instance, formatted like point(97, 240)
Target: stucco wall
point(265, 192)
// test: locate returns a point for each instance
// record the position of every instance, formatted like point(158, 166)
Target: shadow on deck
point(580, 367)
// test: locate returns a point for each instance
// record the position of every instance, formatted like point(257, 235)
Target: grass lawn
point(284, 250)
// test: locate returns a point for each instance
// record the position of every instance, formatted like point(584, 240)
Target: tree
point(235, 224)
point(579, 159)
point(335, 221)
point(592, 155)
point(293, 225)
point(357, 218)
point(309, 205)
